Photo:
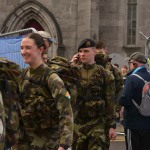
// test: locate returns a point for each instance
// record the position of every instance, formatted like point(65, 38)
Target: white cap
point(46, 35)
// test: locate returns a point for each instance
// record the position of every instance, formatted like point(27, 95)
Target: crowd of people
point(65, 104)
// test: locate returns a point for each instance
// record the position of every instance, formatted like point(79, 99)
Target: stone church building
point(116, 22)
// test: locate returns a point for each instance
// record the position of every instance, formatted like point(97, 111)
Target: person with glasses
point(137, 127)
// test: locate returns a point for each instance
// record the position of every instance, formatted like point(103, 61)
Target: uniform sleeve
point(118, 86)
point(62, 100)
point(118, 82)
point(110, 97)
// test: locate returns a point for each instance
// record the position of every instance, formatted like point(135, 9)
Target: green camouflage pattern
point(118, 87)
point(90, 135)
point(95, 103)
point(46, 111)
point(63, 68)
point(2, 123)
point(118, 79)
point(103, 59)
point(9, 76)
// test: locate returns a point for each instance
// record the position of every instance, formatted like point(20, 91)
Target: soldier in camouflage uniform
point(45, 58)
point(48, 40)
point(46, 109)
point(63, 67)
point(102, 58)
point(9, 102)
point(95, 102)
point(2, 123)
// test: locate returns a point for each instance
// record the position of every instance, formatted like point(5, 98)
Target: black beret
point(87, 43)
point(137, 56)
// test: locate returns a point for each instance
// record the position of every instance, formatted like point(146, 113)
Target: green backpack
point(2, 123)
point(9, 100)
point(63, 68)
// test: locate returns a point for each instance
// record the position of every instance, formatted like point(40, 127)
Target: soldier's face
point(87, 55)
point(47, 44)
point(30, 52)
point(44, 57)
point(100, 51)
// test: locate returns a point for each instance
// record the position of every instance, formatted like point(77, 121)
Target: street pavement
point(119, 143)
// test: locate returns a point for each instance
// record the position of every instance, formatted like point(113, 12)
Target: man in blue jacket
point(137, 127)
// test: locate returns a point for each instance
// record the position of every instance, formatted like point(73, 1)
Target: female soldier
point(46, 110)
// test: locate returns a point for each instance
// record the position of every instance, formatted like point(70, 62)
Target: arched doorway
point(32, 23)
point(32, 13)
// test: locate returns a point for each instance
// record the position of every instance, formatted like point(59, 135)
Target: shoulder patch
point(68, 95)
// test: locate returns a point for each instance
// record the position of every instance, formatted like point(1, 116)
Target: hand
point(75, 58)
point(61, 148)
point(112, 134)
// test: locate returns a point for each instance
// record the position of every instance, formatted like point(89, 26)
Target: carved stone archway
point(29, 10)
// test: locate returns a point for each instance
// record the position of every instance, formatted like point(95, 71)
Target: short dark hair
point(43, 53)
point(100, 45)
point(38, 39)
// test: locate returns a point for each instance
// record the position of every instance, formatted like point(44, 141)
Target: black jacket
point(133, 90)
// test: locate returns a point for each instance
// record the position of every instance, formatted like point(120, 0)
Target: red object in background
point(33, 24)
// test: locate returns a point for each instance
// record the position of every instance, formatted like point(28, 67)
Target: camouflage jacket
point(46, 103)
point(2, 123)
point(118, 78)
point(9, 75)
point(63, 68)
point(96, 93)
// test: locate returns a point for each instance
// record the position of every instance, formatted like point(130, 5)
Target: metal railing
point(18, 32)
point(10, 45)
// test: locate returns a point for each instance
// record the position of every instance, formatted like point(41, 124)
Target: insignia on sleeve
point(68, 95)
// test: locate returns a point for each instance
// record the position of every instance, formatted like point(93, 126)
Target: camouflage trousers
point(42, 139)
point(90, 135)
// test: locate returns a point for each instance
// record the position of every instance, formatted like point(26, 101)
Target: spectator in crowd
point(124, 71)
point(137, 127)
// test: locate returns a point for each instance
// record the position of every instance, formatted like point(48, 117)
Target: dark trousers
point(137, 139)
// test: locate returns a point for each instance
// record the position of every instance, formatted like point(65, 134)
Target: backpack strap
point(40, 82)
point(135, 104)
point(140, 77)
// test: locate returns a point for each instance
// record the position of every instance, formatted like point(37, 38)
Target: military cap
point(137, 56)
point(46, 35)
point(87, 43)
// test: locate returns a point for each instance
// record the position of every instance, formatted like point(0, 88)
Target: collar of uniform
point(34, 70)
point(88, 66)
